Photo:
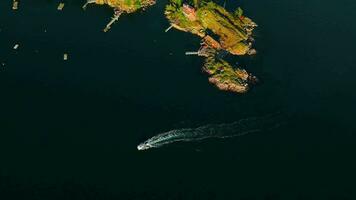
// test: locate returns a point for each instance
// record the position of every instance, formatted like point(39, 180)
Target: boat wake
point(239, 128)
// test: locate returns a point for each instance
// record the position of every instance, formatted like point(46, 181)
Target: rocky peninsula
point(220, 31)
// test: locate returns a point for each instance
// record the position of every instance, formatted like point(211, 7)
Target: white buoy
point(16, 46)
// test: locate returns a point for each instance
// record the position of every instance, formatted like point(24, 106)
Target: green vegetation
point(224, 76)
point(220, 30)
point(127, 6)
point(233, 30)
point(239, 12)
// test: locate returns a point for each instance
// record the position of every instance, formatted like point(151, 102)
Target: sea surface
point(69, 129)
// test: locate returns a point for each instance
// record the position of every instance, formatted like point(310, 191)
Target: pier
point(88, 2)
point(204, 50)
point(113, 20)
point(191, 53)
point(169, 28)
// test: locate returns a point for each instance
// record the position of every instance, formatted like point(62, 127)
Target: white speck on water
point(60, 6)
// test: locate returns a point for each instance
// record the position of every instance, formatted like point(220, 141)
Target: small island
point(221, 32)
point(121, 6)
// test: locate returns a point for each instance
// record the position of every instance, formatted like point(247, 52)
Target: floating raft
point(15, 5)
point(60, 6)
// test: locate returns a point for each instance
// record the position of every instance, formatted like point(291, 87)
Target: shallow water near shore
point(69, 129)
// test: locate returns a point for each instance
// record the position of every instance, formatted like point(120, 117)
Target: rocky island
point(121, 6)
point(220, 31)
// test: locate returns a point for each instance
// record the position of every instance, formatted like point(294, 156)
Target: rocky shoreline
point(121, 6)
point(220, 31)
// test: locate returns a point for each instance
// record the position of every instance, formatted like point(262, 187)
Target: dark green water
point(69, 130)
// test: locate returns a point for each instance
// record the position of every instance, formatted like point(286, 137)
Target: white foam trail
point(234, 129)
